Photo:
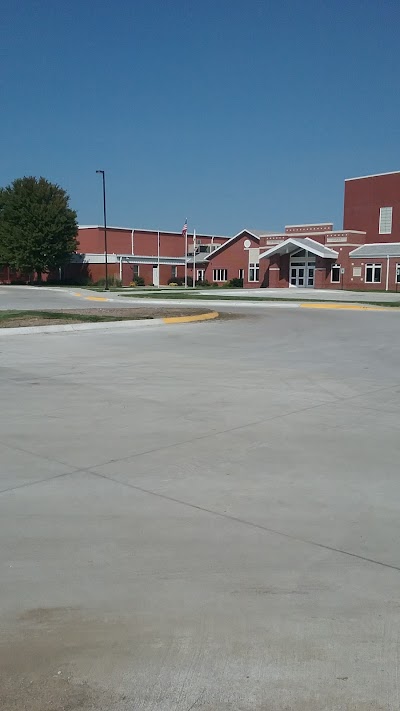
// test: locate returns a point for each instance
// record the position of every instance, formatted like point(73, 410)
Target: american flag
point(184, 229)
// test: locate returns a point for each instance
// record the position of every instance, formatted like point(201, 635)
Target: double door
point(302, 274)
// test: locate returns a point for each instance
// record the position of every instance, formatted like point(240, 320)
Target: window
point(397, 273)
point(373, 273)
point(200, 274)
point(254, 272)
point(335, 274)
point(385, 220)
point(174, 272)
point(135, 270)
point(220, 275)
point(241, 273)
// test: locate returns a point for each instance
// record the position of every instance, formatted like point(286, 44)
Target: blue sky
point(231, 113)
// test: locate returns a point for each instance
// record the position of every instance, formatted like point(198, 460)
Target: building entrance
point(302, 270)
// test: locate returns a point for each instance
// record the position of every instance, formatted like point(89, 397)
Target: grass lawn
point(6, 316)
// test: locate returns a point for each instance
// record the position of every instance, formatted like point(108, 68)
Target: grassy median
point(15, 319)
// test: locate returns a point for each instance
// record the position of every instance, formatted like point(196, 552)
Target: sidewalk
point(293, 294)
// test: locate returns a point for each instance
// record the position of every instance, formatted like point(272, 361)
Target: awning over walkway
point(382, 249)
point(293, 245)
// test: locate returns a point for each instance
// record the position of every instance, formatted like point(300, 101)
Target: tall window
point(241, 273)
point(200, 274)
point(220, 275)
point(397, 273)
point(135, 270)
point(254, 272)
point(373, 273)
point(385, 220)
point(335, 274)
point(174, 272)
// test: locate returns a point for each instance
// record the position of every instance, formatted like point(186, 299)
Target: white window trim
point(256, 268)
point(220, 275)
point(241, 274)
point(200, 274)
point(373, 265)
point(336, 281)
point(385, 220)
point(397, 274)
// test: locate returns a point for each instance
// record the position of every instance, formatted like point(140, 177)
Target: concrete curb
point(190, 303)
point(347, 307)
point(107, 325)
point(263, 304)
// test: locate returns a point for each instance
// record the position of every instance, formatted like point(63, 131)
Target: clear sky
point(232, 113)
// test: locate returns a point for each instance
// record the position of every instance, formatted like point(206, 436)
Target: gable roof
point(231, 240)
point(303, 243)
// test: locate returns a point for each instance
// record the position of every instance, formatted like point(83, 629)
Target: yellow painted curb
point(95, 298)
point(190, 319)
point(348, 307)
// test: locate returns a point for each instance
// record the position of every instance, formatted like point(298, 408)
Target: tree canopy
point(37, 227)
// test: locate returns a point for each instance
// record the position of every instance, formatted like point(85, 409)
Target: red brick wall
point(91, 241)
point(277, 272)
point(91, 271)
point(364, 197)
point(233, 258)
point(359, 282)
point(171, 245)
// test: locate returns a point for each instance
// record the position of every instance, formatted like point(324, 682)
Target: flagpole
point(186, 249)
point(158, 258)
point(194, 259)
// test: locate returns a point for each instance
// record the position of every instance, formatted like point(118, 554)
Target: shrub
point(112, 281)
point(203, 283)
point(180, 281)
point(235, 283)
point(138, 281)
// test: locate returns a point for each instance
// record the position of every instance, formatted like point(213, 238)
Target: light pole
point(105, 225)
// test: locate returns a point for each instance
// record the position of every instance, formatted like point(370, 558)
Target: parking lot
point(202, 516)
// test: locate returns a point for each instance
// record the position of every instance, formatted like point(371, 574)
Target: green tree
point(37, 227)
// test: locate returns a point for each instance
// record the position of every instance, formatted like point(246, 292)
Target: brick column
point(274, 272)
point(320, 273)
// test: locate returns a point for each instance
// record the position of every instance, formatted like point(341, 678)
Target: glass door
point(297, 275)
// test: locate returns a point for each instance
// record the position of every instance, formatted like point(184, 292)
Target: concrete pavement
point(26, 297)
point(203, 517)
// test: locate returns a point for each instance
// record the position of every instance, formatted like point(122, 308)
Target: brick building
point(155, 256)
point(365, 254)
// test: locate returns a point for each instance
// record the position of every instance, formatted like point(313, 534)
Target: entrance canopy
point(293, 245)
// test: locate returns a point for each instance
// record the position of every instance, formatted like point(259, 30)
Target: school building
point(364, 255)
